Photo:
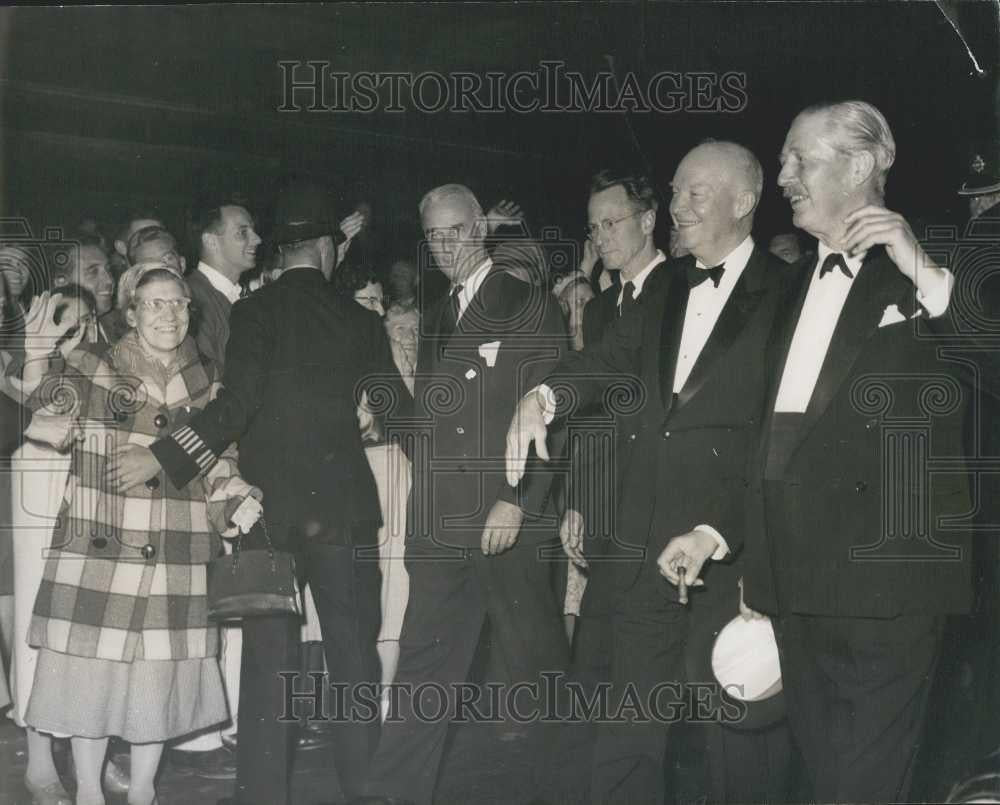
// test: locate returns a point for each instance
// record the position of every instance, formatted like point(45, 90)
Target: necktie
point(449, 319)
point(696, 276)
point(628, 298)
point(835, 260)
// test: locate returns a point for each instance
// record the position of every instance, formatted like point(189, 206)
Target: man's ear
point(862, 167)
point(746, 201)
point(647, 220)
point(209, 242)
point(184, 264)
point(130, 319)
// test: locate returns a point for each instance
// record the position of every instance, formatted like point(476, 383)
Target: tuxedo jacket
point(210, 322)
point(589, 434)
point(466, 389)
point(681, 460)
point(297, 359)
point(865, 506)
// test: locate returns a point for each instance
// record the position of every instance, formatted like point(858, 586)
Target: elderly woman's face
point(403, 327)
point(161, 316)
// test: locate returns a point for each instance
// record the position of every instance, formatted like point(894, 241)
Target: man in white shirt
point(690, 390)
point(861, 546)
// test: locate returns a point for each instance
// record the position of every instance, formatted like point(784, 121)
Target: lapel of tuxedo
point(742, 302)
point(671, 327)
point(858, 322)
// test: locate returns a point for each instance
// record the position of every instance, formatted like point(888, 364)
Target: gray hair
point(859, 126)
point(450, 191)
point(129, 282)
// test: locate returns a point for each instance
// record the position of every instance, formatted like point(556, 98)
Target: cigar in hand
point(682, 587)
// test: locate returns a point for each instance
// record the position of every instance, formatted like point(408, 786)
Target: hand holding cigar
point(682, 560)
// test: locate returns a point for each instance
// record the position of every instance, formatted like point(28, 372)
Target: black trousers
point(450, 601)
point(628, 649)
point(345, 590)
point(856, 690)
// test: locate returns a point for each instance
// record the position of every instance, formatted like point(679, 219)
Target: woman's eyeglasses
point(180, 305)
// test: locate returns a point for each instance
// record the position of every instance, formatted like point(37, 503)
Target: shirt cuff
point(546, 399)
point(722, 547)
point(934, 291)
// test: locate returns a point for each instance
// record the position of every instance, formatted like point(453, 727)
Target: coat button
point(631, 437)
point(99, 543)
point(148, 551)
point(160, 421)
point(153, 483)
point(666, 434)
point(460, 431)
point(860, 487)
point(870, 424)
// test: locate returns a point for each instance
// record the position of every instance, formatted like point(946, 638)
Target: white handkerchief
point(488, 352)
point(891, 315)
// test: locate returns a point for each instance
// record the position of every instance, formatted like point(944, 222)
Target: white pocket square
point(891, 315)
point(488, 352)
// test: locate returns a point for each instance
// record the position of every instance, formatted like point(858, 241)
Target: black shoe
point(219, 764)
point(312, 738)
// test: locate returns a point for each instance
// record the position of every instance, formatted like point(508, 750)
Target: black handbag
point(254, 582)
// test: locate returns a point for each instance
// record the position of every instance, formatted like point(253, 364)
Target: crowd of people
point(597, 466)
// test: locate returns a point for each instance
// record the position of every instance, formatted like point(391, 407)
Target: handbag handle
point(270, 547)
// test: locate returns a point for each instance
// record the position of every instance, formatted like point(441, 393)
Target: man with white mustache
point(860, 548)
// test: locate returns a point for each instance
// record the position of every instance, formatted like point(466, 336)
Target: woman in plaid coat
point(120, 621)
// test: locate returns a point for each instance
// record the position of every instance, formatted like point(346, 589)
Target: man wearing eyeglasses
point(692, 352)
point(472, 550)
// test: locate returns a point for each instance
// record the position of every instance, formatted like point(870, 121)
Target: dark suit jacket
point(682, 460)
point(296, 361)
point(463, 408)
point(211, 318)
point(868, 514)
point(590, 487)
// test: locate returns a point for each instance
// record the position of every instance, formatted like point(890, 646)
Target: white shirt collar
point(737, 259)
point(472, 283)
point(222, 284)
point(640, 278)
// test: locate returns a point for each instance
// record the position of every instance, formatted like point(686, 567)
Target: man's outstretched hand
point(527, 427)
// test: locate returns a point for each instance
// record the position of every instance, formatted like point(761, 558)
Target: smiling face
point(95, 276)
point(235, 247)
point(160, 331)
point(709, 205)
point(816, 178)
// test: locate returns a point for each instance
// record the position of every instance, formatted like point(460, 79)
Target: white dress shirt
point(705, 304)
point(222, 284)
point(640, 279)
point(820, 313)
point(471, 285)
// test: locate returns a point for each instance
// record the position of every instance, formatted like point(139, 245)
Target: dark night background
point(106, 107)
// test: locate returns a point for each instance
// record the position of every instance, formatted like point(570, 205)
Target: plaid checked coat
point(125, 578)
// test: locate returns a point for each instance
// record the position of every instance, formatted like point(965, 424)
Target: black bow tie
point(835, 260)
point(696, 276)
